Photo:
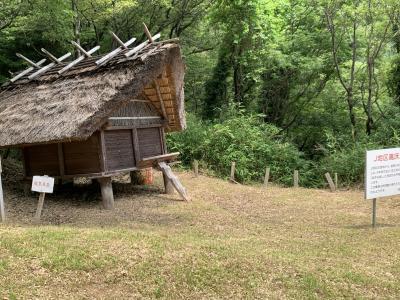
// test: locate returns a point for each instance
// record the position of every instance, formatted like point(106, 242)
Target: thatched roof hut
point(96, 116)
point(72, 106)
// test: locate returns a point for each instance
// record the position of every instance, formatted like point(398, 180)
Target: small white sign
point(382, 173)
point(43, 184)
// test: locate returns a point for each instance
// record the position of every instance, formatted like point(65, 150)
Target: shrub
point(252, 144)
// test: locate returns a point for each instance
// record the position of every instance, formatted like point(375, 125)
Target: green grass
point(230, 242)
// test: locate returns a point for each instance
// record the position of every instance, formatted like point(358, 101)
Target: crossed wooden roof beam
point(38, 69)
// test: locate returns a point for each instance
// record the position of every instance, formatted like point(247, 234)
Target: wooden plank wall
point(86, 157)
point(119, 149)
point(41, 160)
point(82, 157)
point(150, 142)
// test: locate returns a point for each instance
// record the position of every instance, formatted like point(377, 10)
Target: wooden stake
point(196, 168)
point(296, 179)
point(40, 206)
point(330, 182)
point(336, 181)
point(266, 178)
point(2, 210)
point(233, 169)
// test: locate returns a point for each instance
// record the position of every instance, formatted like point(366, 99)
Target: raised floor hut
point(97, 116)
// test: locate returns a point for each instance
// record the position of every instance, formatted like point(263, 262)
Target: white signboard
point(382, 173)
point(43, 184)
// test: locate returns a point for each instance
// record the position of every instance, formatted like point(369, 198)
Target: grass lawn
point(231, 241)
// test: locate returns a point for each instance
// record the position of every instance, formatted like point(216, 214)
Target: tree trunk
point(76, 26)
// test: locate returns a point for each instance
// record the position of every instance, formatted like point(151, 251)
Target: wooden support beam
point(136, 148)
point(107, 192)
point(174, 180)
point(103, 152)
point(160, 99)
point(78, 60)
point(168, 187)
point(154, 160)
point(114, 53)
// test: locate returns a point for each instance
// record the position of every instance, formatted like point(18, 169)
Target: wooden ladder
point(166, 169)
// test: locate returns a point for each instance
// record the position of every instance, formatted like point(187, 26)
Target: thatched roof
point(56, 108)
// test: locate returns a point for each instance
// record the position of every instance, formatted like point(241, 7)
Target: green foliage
point(252, 144)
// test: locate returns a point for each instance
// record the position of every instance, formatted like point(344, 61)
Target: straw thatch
point(73, 107)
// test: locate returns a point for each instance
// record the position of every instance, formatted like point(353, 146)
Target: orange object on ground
point(148, 175)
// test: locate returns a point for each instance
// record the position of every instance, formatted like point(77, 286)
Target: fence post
point(196, 168)
point(336, 181)
point(296, 178)
point(233, 168)
point(330, 182)
point(266, 178)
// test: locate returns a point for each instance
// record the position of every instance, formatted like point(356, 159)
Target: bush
point(252, 144)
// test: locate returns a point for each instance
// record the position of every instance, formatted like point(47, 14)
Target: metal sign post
point(2, 210)
point(374, 212)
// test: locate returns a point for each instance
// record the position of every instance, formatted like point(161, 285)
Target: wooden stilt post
point(40, 206)
point(330, 182)
point(2, 209)
point(107, 192)
point(266, 178)
point(196, 168)
point(169, 188)
point(296, 178)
